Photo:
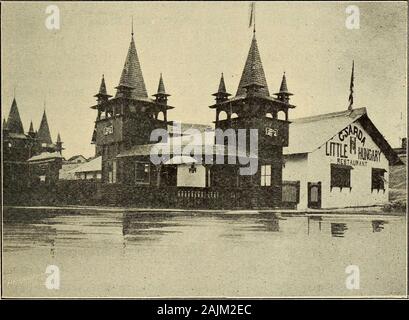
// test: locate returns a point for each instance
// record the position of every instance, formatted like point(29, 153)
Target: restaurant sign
point(351, 147)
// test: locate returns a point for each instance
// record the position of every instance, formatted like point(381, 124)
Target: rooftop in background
point(90, 166)
point(308, 134)
point(46, 156)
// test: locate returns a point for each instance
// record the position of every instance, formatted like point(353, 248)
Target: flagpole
point(351, 88)
point(254, 12)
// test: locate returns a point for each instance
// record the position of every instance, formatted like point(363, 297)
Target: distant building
point(91, 170)
point(398, 175)
point(77, 159)
point(340, 159)
point(29, 157)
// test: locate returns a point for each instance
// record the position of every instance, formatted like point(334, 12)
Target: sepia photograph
point(222, 150)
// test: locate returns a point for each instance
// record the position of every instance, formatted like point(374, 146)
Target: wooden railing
point(95, 193)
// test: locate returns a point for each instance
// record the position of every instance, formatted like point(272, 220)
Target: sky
point(191, 43)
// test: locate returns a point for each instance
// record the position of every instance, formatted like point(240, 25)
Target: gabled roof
point(131, 76)
point(308, 134)
point(90, 166)
point(76, 157)
point(46, 156)
point(253, 72)
point(14, 123)
point(43, 134)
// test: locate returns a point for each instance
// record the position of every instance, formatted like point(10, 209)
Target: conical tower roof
point(253, 72)
point(58, 138)
point(161, 86)
point(31, 130)
point(102, 88)
point(14, 123)
point(44, 135)
point(283, 86)
point(222, 88)
point(131, 76)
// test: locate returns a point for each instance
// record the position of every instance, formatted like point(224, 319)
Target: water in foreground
point(148, 254)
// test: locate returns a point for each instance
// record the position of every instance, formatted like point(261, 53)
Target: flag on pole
point(252, 19)
point(351, 89)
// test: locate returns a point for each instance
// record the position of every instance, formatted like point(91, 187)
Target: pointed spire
point(221, 94)
point(102, 87)
point(44, 135)
point(4, 124)
point(102, 93)
point(58, 144)
point(161, 86)
point(161, 96)
point(253, 72)
point(284, 94)
point(31, 132)
point(222, 85)
point(14, 123)
point(131, 77)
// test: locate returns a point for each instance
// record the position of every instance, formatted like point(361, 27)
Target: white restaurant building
point(340, 159)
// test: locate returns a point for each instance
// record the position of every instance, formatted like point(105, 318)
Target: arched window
point(269, 115)
point(222, 115)
point(234, 116)
point(161, 116)
point(281, 115)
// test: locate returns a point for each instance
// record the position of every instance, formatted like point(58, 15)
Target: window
point(340, 176)
point(378, 179)
point(266, 175)
point(114, 171)
point(142, 172)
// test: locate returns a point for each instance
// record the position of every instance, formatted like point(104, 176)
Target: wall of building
point(316, 167)
point(296, 169)
point(360, 194)
point(189, 179)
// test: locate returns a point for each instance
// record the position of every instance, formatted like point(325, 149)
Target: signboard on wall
point(352, 146)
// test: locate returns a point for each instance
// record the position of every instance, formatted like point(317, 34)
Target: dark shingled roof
point(131, 76)
point(14, 123)
point(31, 130)
point(44, 135)
point(161, 86)
point(102, 87)
point(222, 85)
point(253, 72)
point(283, 87)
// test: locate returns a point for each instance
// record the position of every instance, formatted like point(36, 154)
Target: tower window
point(266, 175)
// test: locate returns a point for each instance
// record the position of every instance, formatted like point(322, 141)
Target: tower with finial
point(58, 144)
point(284, 95)
point(221, 95)
point(127, 119)
point(161, 96)
point(253, 108)
point(31, 131)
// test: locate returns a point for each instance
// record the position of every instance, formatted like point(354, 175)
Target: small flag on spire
point(351, 89)
point(252, 19)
